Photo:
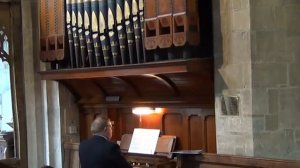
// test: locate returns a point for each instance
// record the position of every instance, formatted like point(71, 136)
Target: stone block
point(246, 102)
point(237, 4)
point(236, 76)
point(289, 103)
point(293, 46)
point(271, 123)
point(258, 123)
point(240, 49)
point(294, 75)
point(291, 18)
point(241, 144)
point(297, 134)
point(263, 19)
point(265, 3)
point(273, 101)
point(259, 101)
point(290, 2)
point(240, 4)
point(235, 124)
point(240, 151)
point(269, 74)
point(293, 155)
point(220, 126)
point(274, 56)
point(246, 124)
point(270, 41)
point(225, 144)
point(298, 145)
point(241, 20)
point(273, 145)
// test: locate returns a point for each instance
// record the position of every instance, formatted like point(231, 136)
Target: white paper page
point(144, 141)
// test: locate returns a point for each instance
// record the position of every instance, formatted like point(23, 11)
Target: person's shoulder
point(113, 145)
point(82, 143)
point(86, 141)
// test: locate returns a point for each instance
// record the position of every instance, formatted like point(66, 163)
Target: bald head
point(99, 124)
point(102, 126)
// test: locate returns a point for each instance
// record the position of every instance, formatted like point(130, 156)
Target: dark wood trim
point(228, 161)
point(103, 91)
point(155, 102)
point(178, 66)
point(130, 84)
point(167, 82)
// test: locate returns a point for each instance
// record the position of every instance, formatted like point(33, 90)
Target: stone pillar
point(29, 84)
point(54, 124)
point(233, 76)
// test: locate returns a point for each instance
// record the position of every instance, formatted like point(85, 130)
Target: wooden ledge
point(164, 67)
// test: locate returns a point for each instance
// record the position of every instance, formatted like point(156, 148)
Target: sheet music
point(144, 141)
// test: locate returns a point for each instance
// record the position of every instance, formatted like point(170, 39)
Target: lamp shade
point(143, 110)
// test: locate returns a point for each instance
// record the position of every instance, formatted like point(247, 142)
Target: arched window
point(7, 149)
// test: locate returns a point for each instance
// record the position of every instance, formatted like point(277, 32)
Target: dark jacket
point(98, 152)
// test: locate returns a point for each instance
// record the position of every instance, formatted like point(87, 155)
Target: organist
point(99, 151)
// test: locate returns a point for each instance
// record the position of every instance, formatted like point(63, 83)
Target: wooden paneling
point(128, 122)
point(193, 127)
point(172, 125)
point(197, 130)
point(211, 134)
point(152, 121)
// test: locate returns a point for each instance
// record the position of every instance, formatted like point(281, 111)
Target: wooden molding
point(166, 67)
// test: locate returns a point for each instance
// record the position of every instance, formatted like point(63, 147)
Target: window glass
point(6, 111)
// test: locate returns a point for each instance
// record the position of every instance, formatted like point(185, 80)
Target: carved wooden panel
point(52, 30)
point(211, 134)
point(197, 130)
point(172, 125)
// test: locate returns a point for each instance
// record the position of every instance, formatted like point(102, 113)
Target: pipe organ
point(114, 55)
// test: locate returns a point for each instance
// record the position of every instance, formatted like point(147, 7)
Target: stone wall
point(275, 48)
point(258, 60)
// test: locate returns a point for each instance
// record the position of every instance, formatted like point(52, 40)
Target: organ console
point(162, 157)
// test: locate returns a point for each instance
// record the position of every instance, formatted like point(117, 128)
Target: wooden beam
point(167, 67)
point(130, 84)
